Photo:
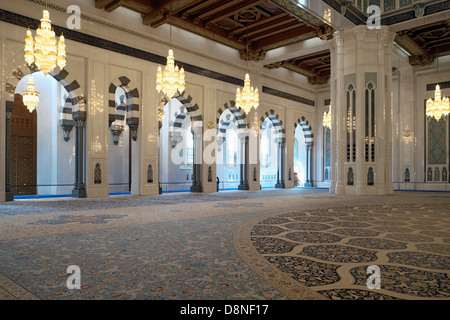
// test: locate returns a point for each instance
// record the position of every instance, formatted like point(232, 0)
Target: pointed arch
point(228, 117)
point(239, 117)
point(176, 126)
point(186, 109)
point(280, 133)
point(132, 101)
point(192, 111)
point(307, 130)
point(71, 107)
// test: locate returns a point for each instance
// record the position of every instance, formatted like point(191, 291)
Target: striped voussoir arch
point(66, 117)
point(279, 135)
point(71, 105)
point(128, 107)
point(307, 130)
point(176, 126)
point(192, 111)
point(224, 121)
point(186, 109)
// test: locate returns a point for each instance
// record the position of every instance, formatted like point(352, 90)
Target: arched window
point(370, 177)
point(351, 123)
point(350, 177)
point(327, 152)
point(407, 175)
point(370, 122)
point(437, 174)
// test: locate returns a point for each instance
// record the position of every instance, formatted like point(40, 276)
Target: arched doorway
point(228, 159)
point(268, 155)
point(300, 160)
point(302, 154)
point(176, 149)
point(272, 152)
point(42, 155)
point(119, 151)
point(123, 121)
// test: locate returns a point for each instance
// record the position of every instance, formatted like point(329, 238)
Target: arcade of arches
point(297, 209)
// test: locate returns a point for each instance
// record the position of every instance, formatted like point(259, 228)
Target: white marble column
point(360, 56)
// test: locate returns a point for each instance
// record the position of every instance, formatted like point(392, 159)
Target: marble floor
point(256, 245)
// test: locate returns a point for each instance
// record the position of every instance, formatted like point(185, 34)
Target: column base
point(340, 188)
point(9, 196)
point(79, 193)
point(243, 187)
point(197, 188)
point(280, 186)
point(308, 185)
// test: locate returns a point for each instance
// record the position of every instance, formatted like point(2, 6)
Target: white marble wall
point(409, 94)
point(95, 68)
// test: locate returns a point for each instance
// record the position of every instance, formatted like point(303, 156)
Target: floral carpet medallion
point(327, 251)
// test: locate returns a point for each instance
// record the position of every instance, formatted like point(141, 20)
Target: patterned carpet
point(329, 250)
point(261, 245)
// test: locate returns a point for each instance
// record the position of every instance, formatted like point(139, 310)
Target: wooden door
point(23, 149)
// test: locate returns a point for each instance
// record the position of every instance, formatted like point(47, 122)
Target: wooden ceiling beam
point(150, 4)
point(197, 7)
point(233, 10)
point(263, 21)
point(271, 26)
point(114, 5)
point(214, 33)
point(313, 56)
point(286, 37)
point(101, 4)
point(222, 5)
point(155, 18)
point(273, 34)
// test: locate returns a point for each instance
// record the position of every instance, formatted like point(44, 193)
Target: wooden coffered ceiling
point(265, 25)
point(425, 43)
point(262, 25)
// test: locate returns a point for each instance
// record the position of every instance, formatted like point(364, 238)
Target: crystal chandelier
point(249, 97)
point(43, 50)
point(327, 118)
point(439, 107)
point(30, 95)
point(171, 80)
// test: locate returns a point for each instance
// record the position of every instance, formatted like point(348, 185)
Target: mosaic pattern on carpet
point(328, 250)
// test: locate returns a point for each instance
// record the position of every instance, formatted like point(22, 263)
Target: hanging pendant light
point(43, 50)
point(249, 98)
point(172, 79)
point(30, 95)
point(439, 107)
point(327, 118)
